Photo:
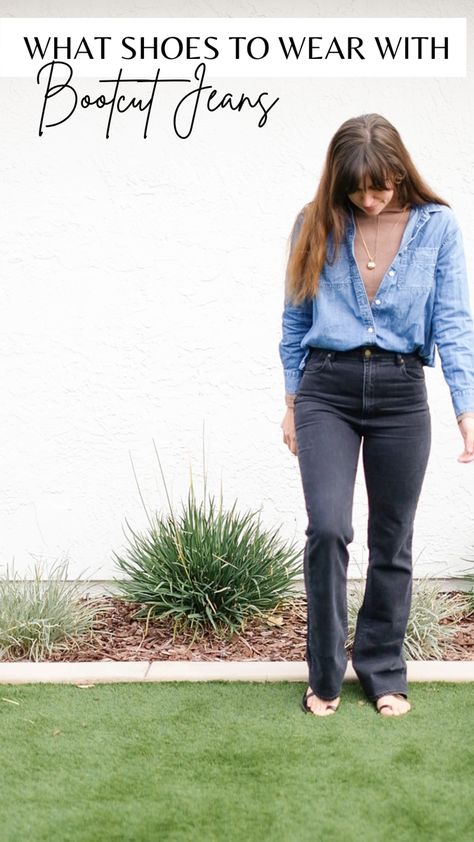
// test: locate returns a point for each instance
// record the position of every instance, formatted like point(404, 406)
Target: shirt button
point(370, 329)
point(392, 272)
point(377, 300)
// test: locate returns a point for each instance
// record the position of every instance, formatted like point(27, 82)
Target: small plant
point(468, 574)
point(206, 568)
point(428, 635)
point(41, 615)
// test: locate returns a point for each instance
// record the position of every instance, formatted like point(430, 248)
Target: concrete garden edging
point(99, 672)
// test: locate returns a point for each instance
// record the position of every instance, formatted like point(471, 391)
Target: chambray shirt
point(422, 302)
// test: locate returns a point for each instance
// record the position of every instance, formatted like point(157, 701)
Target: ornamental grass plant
point(429, 634)
point(42, 614)
point(468, 575)
point(206, 567)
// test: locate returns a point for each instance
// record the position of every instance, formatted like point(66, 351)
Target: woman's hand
point(466, 426)
point(288, 427)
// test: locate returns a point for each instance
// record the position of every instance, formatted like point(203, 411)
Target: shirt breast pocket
point(418, 268)
point(335, 279)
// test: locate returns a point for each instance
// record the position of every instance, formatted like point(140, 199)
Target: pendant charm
point(370, 264)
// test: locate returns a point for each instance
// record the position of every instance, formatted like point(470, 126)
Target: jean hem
point(388, 693)
point(332, 699)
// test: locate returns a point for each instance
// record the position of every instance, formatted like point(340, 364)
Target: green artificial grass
point(222, 761)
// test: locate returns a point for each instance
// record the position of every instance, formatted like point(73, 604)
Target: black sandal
point(307, 709)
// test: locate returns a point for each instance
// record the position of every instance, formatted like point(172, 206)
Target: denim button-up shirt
point(422, 301)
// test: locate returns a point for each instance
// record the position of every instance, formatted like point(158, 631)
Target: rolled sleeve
point(453, 329)
point(296, 322)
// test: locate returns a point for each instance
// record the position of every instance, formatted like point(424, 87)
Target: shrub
point(38, 617)
point(206, 569)
point(428, 636)
point(468, 574)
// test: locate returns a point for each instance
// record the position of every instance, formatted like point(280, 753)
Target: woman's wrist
point(465, 415)
point(290, 401)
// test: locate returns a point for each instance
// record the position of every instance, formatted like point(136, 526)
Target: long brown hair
point(364, 147)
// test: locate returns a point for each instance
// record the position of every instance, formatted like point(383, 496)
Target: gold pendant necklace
point(371, 261)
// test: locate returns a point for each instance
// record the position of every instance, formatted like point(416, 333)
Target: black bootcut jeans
point(346, 396)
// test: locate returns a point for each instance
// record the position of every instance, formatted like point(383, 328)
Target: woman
point(376, 278)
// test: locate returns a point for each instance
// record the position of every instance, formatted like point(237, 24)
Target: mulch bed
point(117, 636)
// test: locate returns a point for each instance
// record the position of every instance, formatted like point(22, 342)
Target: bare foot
point(398, 704)
point(320, 706)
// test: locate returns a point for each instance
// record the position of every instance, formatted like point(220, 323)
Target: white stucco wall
point(142, 289)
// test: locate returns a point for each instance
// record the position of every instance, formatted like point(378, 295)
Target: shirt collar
point(419, 214)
